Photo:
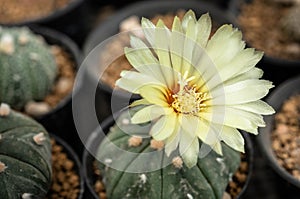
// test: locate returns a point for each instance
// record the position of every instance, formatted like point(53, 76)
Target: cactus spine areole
point(28, 68)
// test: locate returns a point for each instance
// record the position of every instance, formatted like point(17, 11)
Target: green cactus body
point(208, 179)
point(28, 68)
point(25, 161)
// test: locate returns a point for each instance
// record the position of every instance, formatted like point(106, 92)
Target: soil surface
point(16, 11)
point(262, 24)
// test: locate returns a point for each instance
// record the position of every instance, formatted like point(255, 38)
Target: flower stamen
point(188, 100)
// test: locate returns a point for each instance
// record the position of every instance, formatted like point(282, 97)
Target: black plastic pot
point(276, 99)
point(68, 20)
point(77, 165)
point(59, 120)
point(111, 27)
point(96, 137)
point(275, 69)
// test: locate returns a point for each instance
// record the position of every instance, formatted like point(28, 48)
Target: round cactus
point(208, 179)
point(28, 68)
point(25, 156)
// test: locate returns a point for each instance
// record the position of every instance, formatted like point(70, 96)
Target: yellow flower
point(196, 86)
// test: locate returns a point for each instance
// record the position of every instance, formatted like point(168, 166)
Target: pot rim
point(276, 99)
point(73, 4)
point(94, 138)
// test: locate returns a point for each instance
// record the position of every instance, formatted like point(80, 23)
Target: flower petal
point(139, 102)
point(155, 94)
point(233, 117)
point(225, 44)
point(140, 55)
point(233, 138)
point(188, 16)
point(259, 107)
point(239, 68)
point(164, 127)
point(189, 149)
point(150, 113)
point(241, 92)
point(149, 30)
point(177, 41)
point(172, 142)
point(132, 81)
point(162, 42)
point(203, 26)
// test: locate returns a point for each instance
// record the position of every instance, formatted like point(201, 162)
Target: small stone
point(4, 110)
point(7, 45)
point(64, 85)
point(39, 138)
point(177, 162)
point(158, 145)
point(2, 167)
point(37, 108)
point(99, 186)
point(135, 141)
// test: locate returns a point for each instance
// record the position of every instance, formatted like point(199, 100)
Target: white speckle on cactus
point(23, 39)
point(34, 56)
point(189, 196)
point(39, 138)
point(7, 45)
point(2, 167)
point(108, 161)
point(125, 121)
point(158, 145)
point(143, 178)
point(16, 77)
point(177, 162)
point(223, 166)
point(37, 108)
point(4, 110)
point(230, 176)
point(135, 141)
point(26, 196)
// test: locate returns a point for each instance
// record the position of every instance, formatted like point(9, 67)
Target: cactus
point(25, 156)
point(208, 179)
point(28, 68)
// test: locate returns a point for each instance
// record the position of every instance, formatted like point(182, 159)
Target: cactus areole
point(25, 166)
point(28, 68)
point(208, 179)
